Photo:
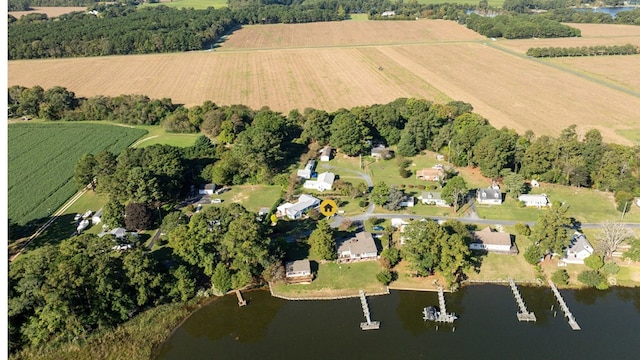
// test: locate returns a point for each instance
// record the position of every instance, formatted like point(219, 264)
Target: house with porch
point(322, 183)
point(433, 198)
point(298, 272)
point(361, 247)
point(492, 241)
point(578, 250)
point(430, 174)
point(295, 211)
point(538, 200)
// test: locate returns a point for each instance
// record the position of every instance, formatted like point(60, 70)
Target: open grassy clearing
point(42, 157)
point(252, 197)
point(336, 280)
point(631, 134)
point(195, 4)
point(179, 140)
point(50, 11)
point(435, 60)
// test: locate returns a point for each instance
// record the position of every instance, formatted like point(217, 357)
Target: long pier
point(241, 301)
point(368, 325)
point(443, 316)
point(524, 314)
point(572, 321)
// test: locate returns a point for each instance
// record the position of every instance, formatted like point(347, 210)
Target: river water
point(612, 10)
point(487, 328)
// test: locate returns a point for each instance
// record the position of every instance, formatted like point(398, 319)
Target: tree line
point(120, 29)
point(598, 50)
point(24, 5)
point(519, 26)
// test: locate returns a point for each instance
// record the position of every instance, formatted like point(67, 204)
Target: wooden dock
point(443, 316)
point(524, 314)
point(368, 325)
point(572, 321)
point(241, 301)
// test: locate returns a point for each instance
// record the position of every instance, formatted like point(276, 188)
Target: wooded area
point(583, 51)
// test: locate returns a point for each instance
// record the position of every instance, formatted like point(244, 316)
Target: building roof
point(489, 193)
point(210, 186)
point(298, 266)
point(360, 244)
point(533, 197)
point(327, 178)
point(580, 243)
point(429, 172)
point(490, 237)
point(432, 195)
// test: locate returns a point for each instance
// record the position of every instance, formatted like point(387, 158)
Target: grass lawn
point(252, 197)
point(503, 267)
point(196, 4)
point(179, 140)
point(359, 17)
point(509, 210)
point(631, 134)
point(388, 171)
point(407, 281)
point(336, 280)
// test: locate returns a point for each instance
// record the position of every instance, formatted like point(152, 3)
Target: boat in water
point(430, 313)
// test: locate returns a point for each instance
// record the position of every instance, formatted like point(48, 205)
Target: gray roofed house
point(432, 198)
point(358, 248)
point(489, 196)
point(119, 233)
point(298, 271)
point(578, 250)
point(326, 153)
point(208, 189)
point(492, 241)
point(295, 211)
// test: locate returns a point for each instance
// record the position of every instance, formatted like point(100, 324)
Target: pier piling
point(524, 314)
point(572, 321)
point(368, 325)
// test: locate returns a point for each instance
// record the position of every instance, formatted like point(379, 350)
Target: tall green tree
point(323, 242)
point(514, 182)
point(454, 191)
point(221, 279)
point(349, 134)
point(380, 194)
point(84, 171)
point(551, 231)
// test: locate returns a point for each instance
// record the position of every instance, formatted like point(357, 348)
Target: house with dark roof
point(359, 248)
point(489, 196)
point(492, 241)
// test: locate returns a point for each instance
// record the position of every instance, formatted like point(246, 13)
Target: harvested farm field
point(50, 11)
point(623, 70)
point(351, 63)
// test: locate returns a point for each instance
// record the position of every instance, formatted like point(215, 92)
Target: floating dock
point(524, 314)
point(241, 301)
point(572, 321)
point(443, 316)
point(368, 325)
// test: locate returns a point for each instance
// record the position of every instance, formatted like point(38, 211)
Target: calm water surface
point(487, 328)
point(609, 10)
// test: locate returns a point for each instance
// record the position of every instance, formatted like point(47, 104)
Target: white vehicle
point(83, 225)
point(77, 217)
point(87, 214)
point(198, 208)
point(216, 201)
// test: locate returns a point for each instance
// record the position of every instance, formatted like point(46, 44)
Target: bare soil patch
point(50, 11)
point(346, 33)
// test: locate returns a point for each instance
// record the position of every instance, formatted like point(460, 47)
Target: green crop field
point(41, 161)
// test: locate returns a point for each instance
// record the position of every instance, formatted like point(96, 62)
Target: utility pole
point(625, 209)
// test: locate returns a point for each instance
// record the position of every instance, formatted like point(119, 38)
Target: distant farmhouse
point(208, 189)
point(307, 172)
point(359, 248)
point(298, 272)
point(538, 201)
point(433, 198)
point(295, 211)
point(430, 174)
point(381, 152)
point(324, 182)
point(578, 250)
point(492, 241)
point(388, 13)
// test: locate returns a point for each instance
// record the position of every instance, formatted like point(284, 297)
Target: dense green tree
point(221, 279)
point(395, 197)
point(633, 253)
point(593, 278)
point(172, 220)
point(349, 134)
point(84, 171)
point(183, 286)
point(317, 126)
point(594, 261)
point(533, 254)
point(380, 194)
point(560, 276)
point(385, 276)
point(144, 278)
point(138, 216)
point(113, 214)
point(323, 242)
point(454, 191)
point(494, 152)
point(551, 231)
point(514, 182)
point(56, 101)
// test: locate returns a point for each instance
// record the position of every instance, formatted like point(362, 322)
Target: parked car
point(216, 201)
point(221, 190)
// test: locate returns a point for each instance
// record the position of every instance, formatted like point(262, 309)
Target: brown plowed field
point(50, 11)
point(358, 63)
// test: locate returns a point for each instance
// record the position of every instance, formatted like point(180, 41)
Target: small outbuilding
point(208, 189)
point(298, 272)
point(326, 153)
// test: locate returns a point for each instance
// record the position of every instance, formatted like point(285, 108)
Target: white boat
point(83, 225)
point(87, 214)
point(430, 313)
point(77, 217)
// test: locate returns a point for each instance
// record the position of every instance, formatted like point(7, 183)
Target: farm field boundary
point(41, 160)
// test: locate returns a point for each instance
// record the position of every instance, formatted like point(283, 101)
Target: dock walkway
point(241, 301)
point(524, 314)
point(368, 325)
point(443, 316)
point(572, 321)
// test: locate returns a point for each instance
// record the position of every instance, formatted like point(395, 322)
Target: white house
point(539, 200)
point(298, 271)
point(359, 248)
point(326, 153)
point(119, 233)
point(97, 217)
point(408, 201)
point(295, 211)
point(307, 172)
point(381, 152)
point(433, 198)
point(208, 189)
point(398, 222)
point(388, 13)
point(578, 250)
point(324, 182)
point(489, 196)
point(491, 241)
